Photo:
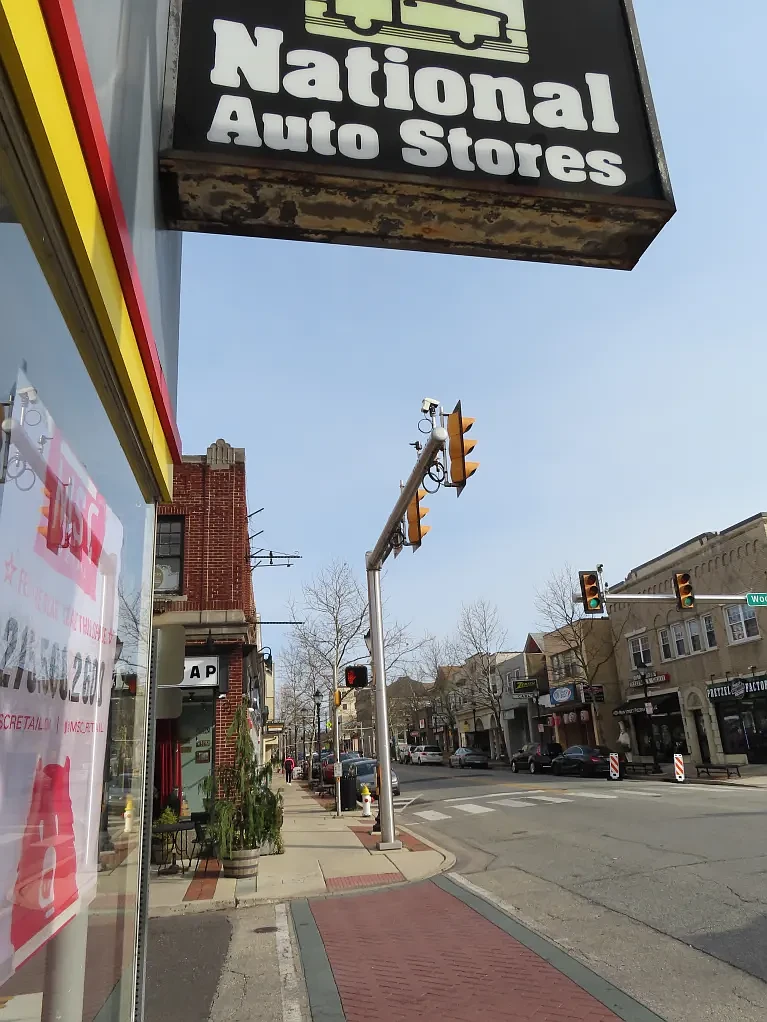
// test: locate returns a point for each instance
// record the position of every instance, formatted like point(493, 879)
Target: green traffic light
point(593, 604)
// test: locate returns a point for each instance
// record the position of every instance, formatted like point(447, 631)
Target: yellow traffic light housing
point(591, 592)
point(685, 597)
point(415, 530)
point(460, 468)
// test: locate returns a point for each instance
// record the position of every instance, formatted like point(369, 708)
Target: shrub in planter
point(161, 850)
point(247, 814)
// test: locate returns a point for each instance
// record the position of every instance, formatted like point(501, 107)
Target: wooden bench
point(639, 768)
point(731, 769)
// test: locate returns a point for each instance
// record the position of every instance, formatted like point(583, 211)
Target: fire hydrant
point(128, 815)
point(367, 800)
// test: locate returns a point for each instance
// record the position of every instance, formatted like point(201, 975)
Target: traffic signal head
point(685, 597)
point(591, 591)
point(415, 512)
point(356, 677)
point(337, 698)
point(460, 468)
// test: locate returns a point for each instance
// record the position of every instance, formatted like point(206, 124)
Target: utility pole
point(336, 737)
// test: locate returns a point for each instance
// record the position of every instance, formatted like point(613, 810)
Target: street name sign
point(756, 599)
point(521, 129)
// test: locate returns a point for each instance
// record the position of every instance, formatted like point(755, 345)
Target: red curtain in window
point(167, 771)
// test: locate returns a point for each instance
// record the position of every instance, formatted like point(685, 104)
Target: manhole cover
point(265, 929)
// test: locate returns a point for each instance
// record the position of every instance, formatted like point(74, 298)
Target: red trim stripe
point(67, 42)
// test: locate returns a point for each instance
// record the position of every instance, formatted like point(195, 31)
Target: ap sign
point(514, 128)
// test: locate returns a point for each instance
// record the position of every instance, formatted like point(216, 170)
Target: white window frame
point(675, 636)
point(701, 647)
point(640, 640)
point(665, 659)
point(744, 613)
point(703, 618)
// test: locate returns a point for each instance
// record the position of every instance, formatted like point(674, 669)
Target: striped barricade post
point(679, 768)
point(615, 767)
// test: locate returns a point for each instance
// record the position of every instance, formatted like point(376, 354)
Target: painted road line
point(590, 794)
point(471, 798)
point(469, 808)
point(514, 802)
point(286, 961)
point(547, 798)
point(432, 815)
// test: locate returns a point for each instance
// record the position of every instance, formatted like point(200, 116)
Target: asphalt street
point(656, 883)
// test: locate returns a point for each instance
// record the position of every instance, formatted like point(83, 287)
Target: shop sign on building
point(200, 672)
point(737, 688)
point(651, 679)
point(60, 547)
point(563, 694)
point(524, 686)
point(521, 129)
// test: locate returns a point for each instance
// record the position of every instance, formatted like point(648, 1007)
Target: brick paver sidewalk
point(420, 953)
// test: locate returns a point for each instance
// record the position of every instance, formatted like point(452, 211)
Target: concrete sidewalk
point(323, 855)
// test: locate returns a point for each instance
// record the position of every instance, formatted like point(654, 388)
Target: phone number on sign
point(32, 663)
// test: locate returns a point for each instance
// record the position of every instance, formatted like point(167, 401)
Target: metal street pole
point(374, 562)
point(656, 764)
point(336, 742)
point(385, 803)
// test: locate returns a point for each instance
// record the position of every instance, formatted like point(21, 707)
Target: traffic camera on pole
point(356, 677)
point(685, 597)
point(460, 468)
point(415, 513)
point(591, 592)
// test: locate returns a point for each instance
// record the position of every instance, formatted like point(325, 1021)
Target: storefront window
point(743, 727)
point(665, 726)
point(75, 557)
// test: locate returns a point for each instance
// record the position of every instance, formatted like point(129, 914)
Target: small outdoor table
point(172, 837)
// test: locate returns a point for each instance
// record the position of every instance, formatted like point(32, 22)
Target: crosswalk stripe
point(432, 815)
point(547, 798)
point(590, 794)
point(470, 808)
point(513, 802)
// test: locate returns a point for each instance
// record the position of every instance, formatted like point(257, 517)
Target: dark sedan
point(469, 758)
point(535, 757)
point(585, 760)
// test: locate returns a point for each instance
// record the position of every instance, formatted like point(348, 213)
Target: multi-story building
point(203, 583)
point(525, 679)
point(478, 696)
point(705, 670)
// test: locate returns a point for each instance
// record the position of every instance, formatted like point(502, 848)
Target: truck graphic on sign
point(494, 29)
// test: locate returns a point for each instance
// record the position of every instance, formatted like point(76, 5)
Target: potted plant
point(247, 814)
point(160, 847)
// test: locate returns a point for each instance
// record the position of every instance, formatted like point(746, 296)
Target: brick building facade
point(203, 581)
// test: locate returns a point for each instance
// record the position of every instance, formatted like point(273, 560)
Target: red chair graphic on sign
point(46, 876)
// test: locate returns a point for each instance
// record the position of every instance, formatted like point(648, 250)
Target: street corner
point(469, 952)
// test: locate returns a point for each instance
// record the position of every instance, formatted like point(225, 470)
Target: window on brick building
point(169, 555)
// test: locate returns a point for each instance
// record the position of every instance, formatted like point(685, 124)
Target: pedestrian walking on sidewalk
point(289, 764)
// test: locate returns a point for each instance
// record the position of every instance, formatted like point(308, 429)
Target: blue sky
point(315, 359)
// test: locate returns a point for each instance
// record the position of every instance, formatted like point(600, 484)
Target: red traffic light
point(356, 677)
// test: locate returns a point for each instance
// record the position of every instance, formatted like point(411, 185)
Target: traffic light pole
point(668, 598)
point(374, 562)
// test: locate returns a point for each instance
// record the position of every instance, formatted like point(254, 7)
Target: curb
point(448, 859)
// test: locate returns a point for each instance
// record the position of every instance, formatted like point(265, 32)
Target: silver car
point(466, 757)
point(364, 772)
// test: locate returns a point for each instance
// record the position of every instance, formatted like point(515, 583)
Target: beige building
point(477, 704)
point(705, 670)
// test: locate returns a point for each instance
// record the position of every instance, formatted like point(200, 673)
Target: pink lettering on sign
point(70, 537)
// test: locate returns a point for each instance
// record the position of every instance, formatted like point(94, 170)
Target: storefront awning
point(660, 705)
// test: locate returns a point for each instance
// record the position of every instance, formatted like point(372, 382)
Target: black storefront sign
point(737, 688)
point(524, 686)
point(521, 128)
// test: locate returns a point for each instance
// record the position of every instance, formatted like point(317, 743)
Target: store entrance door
point(196, 728)
point(700, 729)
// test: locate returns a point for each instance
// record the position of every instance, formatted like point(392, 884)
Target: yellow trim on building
point(30, 63)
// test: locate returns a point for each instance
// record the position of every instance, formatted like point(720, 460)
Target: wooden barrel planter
point(242, 865)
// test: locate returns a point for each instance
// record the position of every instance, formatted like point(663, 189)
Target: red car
point(327, 765)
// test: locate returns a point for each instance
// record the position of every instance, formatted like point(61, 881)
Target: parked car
point(327, 764)
point(535, 757)
point(403, 750)
point(407, 754)
point(587, 761)
point(466, 757)
point(423, 754)
point(364, 772)
point(316, 762)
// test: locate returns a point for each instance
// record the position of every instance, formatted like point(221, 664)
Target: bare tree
point(587, 644)
point(479, 640)
point(434, 665)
